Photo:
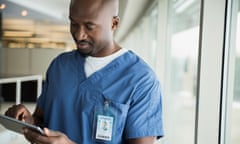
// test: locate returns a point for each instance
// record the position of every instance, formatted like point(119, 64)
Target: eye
point(74, 24)
point(90, 26)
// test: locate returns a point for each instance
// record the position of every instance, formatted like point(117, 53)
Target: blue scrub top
point(69, 99)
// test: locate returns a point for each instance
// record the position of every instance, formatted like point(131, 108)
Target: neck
point(114, 47)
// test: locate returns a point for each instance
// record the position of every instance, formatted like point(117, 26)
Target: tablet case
point(16, 125)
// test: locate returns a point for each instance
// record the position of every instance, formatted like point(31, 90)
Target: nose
point(81, 34)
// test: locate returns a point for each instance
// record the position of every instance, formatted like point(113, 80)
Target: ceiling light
point(17, 34)
point(2, 6)
point(24, 13)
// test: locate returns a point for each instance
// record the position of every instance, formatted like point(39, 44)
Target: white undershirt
point(93, 64)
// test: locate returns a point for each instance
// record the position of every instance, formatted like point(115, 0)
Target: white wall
point(23, 61)
point(41, 58)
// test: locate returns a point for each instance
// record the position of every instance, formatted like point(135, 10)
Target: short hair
point(112, 5)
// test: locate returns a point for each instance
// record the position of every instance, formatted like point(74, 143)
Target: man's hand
point(20, 112)
point(51, 137)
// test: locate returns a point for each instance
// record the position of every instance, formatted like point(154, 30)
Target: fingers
point(49, 138)
point(30, 136)
point(34, 137)
point(13, 111)
point(51, 133)
point(19, 112)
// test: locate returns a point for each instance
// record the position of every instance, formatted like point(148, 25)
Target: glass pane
point(235, 125)
point(143, 39)
point(184, 19)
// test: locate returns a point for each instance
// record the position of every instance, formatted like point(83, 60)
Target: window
point(143, 38)
point(235, 131)
point(183, 37)
point(231, 98)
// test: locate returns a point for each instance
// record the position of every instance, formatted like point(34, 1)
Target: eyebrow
point(88, 22)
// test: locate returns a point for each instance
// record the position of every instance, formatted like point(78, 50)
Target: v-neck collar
point(84, 80)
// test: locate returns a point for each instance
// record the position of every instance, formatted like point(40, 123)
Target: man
point(99, 93)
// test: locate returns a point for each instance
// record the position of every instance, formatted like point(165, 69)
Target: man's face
point(92, 26)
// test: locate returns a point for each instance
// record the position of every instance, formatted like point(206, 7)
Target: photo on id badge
point(104, 123)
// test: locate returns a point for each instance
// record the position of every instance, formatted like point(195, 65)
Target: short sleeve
point(145, 113)
point(41, 102)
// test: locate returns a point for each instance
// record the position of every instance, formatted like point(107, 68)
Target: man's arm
point(143, 140)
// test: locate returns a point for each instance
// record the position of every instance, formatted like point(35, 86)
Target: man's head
point(93, 23)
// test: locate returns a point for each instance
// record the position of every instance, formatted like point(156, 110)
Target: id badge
point(103, 123)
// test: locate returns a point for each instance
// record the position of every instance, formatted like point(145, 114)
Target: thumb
point(51, 133)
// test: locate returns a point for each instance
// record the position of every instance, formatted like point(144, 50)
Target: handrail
point(19, 80)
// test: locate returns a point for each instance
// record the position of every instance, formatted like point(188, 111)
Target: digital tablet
point(17, 126)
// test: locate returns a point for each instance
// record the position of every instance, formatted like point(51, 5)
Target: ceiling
point(46, 22)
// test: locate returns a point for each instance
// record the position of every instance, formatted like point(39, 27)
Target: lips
point(83, 44)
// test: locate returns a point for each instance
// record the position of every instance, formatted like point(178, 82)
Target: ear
point(115, 22)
